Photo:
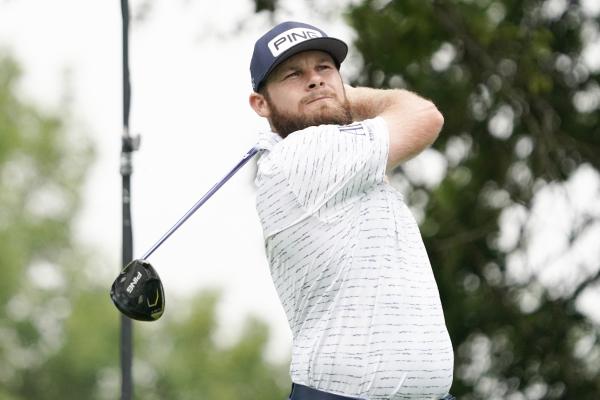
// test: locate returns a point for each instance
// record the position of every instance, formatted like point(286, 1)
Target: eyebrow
point(294, 66)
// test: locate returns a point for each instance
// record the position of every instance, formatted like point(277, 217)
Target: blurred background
point(508, 198)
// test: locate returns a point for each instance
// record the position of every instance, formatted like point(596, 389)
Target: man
point(346, 255)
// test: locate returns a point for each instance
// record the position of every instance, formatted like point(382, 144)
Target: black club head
point(138, 292)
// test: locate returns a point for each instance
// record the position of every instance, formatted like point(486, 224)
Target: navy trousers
point(301, 392)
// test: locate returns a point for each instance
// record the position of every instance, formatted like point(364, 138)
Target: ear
point(259, 104)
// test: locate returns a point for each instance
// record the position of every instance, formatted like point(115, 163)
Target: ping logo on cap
point(290, 38)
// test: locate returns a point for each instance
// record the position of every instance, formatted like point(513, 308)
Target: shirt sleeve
point(329, 160)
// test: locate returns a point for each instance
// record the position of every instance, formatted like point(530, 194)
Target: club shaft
point(251, 153)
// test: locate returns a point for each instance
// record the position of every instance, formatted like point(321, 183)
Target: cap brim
point(335, 47)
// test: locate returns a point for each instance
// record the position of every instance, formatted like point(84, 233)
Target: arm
point(413, 122)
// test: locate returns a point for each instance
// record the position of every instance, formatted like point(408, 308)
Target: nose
point(315, 80)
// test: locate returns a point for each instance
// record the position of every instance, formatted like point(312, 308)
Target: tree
point(521, 110)
point(41, 169)
point(505, 74)
point(58, 328)
point(188, 365)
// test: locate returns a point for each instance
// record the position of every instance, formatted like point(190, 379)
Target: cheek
point(287, 99)
point(338, 86)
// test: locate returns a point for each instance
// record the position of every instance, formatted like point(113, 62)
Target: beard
point(284, 123)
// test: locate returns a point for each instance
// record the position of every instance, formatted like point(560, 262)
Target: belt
point(301, 392)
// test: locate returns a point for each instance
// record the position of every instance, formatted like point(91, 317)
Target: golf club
point(138, 291)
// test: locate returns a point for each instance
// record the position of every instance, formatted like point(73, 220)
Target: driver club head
point(138, 292)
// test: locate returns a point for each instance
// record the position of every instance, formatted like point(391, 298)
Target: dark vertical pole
point(126, 325)
point(128, 145)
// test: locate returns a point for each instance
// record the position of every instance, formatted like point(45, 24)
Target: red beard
point(284, 123)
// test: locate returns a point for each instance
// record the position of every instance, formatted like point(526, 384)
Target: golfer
point(345, 253)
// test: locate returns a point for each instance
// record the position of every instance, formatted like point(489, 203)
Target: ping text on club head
point(134, 282)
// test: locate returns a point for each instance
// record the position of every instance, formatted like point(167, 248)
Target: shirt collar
point(267, 139)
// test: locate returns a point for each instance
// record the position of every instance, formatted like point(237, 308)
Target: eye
point(291, 74)
point(322, 67)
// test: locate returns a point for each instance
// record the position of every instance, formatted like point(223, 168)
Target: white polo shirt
point(350, 267)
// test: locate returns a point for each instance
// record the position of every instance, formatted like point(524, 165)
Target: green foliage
point(265, 5)
point(188, 364)
point(478, 60)
point(59, 332)
point(32, 166)
point(39, 179)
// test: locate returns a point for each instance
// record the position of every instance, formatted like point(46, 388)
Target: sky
point(189, 64)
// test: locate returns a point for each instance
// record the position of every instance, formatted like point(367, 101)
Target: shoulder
point(366, 128)
point(319, 140)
